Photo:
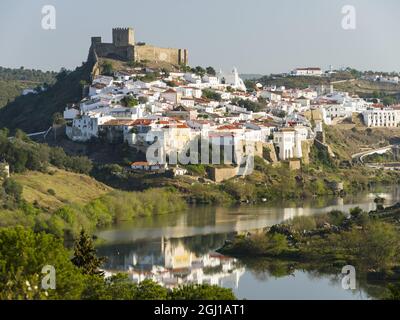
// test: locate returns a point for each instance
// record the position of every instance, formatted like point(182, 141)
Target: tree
point(201, 292)
point(250, 85)
point(62, 74)
point(149, 290)
point(250, 105)
point(23, 254)
point(85, 256)
point(199, 71)
point(394, 292)
point(107, 68)
point(389, 100)
point(130, 101)
point(58, 119)
point(21, 135)
point(211, 94)
point(211, 71)
point(13, 189)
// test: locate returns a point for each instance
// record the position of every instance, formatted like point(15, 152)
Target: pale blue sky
point(257, 36)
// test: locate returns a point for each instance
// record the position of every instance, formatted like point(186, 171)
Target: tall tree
point(85, 256)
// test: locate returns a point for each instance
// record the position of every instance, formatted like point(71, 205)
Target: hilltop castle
point(124, 47)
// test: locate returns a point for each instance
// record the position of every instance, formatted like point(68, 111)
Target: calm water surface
point(180, 248)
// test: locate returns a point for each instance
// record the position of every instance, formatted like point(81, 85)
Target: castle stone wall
point(221, 174)
point(157, 54)
point(109, 50)
point(123, 37)
point(124, 48)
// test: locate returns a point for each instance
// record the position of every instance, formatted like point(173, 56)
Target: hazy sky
point(256, 36)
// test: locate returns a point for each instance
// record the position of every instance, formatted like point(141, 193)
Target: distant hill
point(251, 76)
point(14, 81)
point(34, 112)
point(341, 81)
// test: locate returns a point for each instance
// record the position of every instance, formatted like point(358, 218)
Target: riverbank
point(110, 208)
point(368, 241)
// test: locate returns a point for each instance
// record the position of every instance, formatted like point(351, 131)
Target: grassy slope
point(69, 188)
point(348, 139)
point(363, 87)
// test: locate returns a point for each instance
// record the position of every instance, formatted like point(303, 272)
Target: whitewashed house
point(288, 141)
point(307, 72)
point(381, 117)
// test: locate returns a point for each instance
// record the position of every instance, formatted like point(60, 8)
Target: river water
point(180, 248)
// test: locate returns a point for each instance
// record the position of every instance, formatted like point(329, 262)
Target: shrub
point(201, 292)
point(302, 223)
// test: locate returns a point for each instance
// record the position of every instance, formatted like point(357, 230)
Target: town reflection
point(180, 248)
point(172, 262)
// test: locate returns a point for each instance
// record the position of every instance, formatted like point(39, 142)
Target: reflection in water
point(179, 249)
point(172, 262)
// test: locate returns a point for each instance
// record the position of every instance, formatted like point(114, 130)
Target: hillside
point(59, 188)
point(343, 81)
point(33, 113)
point(365, 88)
point(348, 139)
point(14, 81)
point(11, 89)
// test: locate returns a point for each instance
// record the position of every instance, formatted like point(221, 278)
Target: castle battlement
point(123, 47)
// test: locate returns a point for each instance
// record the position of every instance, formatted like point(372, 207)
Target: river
point(180, 248)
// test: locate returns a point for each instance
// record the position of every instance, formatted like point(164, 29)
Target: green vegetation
point(381, 158)
point(150, 76)
point(107, 68)
point(10, 193)
point(210, 71)
point(14, 81)
point(211, 94)
point(207, 194)
point(85, 256)
point(249, 105)
point(23, 154)
point(64, 186)
point(197, 169)
point(23, 74)
point(68, 220)
point(348, 139)
point(365, 240)
point(32, 113)
point(129, 101)
point(23, 254)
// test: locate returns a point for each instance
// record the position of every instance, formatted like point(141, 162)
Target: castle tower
point(123, 37)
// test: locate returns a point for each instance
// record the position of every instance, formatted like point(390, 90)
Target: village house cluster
point(178, 107)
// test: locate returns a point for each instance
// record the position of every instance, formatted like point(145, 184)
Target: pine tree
point(85, 256)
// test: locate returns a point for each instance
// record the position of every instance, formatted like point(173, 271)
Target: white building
point(289, 140)
point(232, 80)
point(273, 96)
point(307, 72)
point(86, 127)
point(211, 80)
point(384, 117)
